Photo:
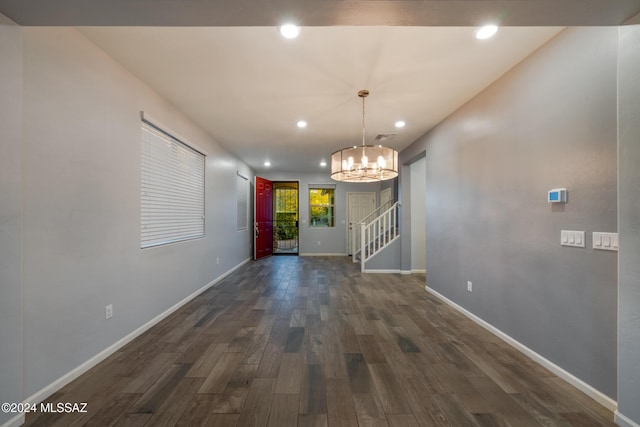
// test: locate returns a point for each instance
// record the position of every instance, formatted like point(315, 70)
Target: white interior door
point(359, 206)
point(385, 196)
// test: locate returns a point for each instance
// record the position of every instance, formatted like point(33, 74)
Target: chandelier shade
point(366, 163)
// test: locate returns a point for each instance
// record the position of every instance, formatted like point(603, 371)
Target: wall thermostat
point(557, 195)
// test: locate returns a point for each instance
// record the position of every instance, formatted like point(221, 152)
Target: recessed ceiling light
point(400, 124)
point(486, 32)
point(301, 124)
point(290, 31)
point(323, 163)
point(267, 163)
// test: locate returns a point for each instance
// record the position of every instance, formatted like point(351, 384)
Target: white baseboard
point(47, 391)
point(382, 271)
point(418, 271)
point(623, 421)
point(323, 254)
point(405, 271)
point(16, 421)
point(596, 395)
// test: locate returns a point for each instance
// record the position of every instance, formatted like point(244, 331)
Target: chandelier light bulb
point(350, 162)
point(364, 161)
point(382, 162)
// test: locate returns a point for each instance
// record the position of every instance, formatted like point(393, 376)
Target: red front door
point(263, 226)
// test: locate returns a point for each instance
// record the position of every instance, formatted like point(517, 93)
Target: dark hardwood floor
point(309, 341)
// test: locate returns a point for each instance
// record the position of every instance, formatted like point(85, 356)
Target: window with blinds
point(171, 189)
point(242, 205)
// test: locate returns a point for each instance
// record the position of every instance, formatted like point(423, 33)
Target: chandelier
point(367, 163)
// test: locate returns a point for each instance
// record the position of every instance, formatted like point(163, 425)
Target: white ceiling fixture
point(290, 31)
point(267, 163)
point(352, 164)
point(301, 124)
point(323, 163)
point(400, 124)
point(486, 32)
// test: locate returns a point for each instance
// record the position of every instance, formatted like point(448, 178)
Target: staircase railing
point(378, 233)
point(383, 207)
point(356, 229)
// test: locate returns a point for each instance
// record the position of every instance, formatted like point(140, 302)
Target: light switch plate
point(572, 238)
point(605, 241)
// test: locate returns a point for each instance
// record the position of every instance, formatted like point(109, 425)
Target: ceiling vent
point(382, 137)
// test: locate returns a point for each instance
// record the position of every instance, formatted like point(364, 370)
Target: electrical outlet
point(469, 286)
point(108, 311)
point(318, 242)
point(217, 260)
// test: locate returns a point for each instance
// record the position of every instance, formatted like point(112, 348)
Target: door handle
point(257, 230)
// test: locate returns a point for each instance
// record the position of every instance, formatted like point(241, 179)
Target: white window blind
point(171, 189)
point(242, 194)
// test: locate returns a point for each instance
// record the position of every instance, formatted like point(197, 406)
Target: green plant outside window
point(286, 212)
point(321, 207)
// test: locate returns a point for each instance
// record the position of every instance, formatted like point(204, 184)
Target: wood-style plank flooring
point(309, 341)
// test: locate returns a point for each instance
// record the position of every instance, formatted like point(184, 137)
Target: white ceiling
point(248, 86)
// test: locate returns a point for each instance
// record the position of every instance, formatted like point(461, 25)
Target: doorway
point(359, 206)
point(418, 208)
point(285, 214)
point(386, 197)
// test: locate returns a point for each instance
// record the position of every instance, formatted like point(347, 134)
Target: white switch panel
point(572, 238)
point(605, 241)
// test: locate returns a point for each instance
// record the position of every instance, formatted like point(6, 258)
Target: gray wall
point(322, 240)
point(629, 222)
point(387, 259)
point(10, 214)
point(549, 122)
point(81, 207)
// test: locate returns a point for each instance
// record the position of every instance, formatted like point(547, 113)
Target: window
point(321, 206)
point(171, 189)
point(242, 205)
